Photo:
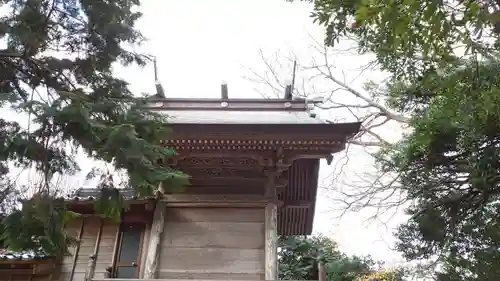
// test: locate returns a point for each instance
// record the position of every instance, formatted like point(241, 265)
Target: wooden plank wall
point(14, 277)
point(87, 247)
point(24, 278)
point(213, 243)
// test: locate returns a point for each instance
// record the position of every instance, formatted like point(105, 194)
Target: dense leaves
point(450, 167)
point(299, 257)
point(40, 215)
point(55, 69)
point(442, 57)
point(409, 36)
point(382, 276)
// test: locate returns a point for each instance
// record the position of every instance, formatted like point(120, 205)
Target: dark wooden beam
point(303, 132)
point(233, 104)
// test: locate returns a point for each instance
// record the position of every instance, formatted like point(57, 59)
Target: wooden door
point(130, 250)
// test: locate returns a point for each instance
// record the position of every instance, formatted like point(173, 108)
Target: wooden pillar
point(153, 249)
point(271, 230)
point(89, 273)
point(321, 270)
point(77, 250)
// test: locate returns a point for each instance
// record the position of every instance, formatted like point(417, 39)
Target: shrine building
point(254, 168)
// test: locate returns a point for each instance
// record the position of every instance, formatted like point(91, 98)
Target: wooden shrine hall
point(254, 174)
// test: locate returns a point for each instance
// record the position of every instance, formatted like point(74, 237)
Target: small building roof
point(7, 255)
point(238, 127)
point(241, 129)
point(90, 194)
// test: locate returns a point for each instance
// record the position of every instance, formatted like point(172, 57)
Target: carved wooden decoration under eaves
point(238, 172)
point(250, 160)
point(238, 183)
point(215, 161)
point(256, 147)
point(223, 172)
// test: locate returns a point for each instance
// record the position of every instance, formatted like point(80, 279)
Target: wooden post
point(223, 91)
point(271, 241)
point(153, 250)
point(77, 250)
point(271, 230)
point(321, 270)
point(89, 273)
point(109, 272)
point(114, 257)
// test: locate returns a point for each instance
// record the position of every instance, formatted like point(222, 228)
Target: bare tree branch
point(343, 100)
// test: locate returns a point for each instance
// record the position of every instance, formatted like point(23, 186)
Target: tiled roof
point(89, 194)
point(21, 256)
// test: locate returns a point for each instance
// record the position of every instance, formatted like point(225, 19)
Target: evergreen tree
point(299, 257)
point(443, 60)
point(408, 37)
point(55, 67)
point(449, 165)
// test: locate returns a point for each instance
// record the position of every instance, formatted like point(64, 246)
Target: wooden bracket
point(270, 188)
point(277, 175)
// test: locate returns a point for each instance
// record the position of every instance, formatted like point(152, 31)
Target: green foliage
point(409, 36)
point(41, 215)
point(110, 204)
point(443, 61)
point(56, 69)
point(450, 168)
point(299, 256)
point(382, 276)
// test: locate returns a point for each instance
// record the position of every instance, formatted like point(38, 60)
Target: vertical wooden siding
point(87, 247)
point(213, 243)
point(6, 275)
point(24, 278)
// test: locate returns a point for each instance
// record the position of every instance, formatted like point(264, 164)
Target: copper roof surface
point(235, 111)
point(239, 117)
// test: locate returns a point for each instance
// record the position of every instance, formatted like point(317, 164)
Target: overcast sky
point(200, 43)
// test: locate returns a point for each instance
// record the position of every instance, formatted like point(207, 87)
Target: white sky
point(200, 43)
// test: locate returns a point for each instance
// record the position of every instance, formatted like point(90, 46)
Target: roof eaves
point(6, 255)
point(91, 194)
